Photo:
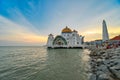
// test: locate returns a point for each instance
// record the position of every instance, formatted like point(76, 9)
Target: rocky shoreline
point(104, 64)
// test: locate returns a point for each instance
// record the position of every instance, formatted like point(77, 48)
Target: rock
point(114, 74)
point(105, 64)
point(100, 72)
point(103, 68)
point(93, 77)
point(103, 77)
point(99, 60)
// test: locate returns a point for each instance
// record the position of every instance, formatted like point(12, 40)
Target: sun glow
point(32, 20)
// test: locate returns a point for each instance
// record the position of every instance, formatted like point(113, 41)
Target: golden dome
point(66, 30)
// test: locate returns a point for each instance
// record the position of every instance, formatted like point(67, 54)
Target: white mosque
point(67, 39)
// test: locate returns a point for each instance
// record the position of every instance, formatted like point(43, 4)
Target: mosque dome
point(74, 31)
point(66, 30)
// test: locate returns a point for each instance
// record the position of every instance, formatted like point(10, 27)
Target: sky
point(29, 22)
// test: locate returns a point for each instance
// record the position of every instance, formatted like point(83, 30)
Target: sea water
point(40, 63)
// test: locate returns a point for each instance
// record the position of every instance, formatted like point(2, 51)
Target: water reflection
point(39, 63)
point(64, 64)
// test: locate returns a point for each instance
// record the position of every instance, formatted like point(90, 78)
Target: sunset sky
point(29, 22)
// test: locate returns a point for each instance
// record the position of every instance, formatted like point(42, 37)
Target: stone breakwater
point(104, 64)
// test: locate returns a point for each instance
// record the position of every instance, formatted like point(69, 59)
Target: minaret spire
point(105, 35)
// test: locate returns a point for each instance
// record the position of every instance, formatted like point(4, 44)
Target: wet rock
point(105, 64)
point(93, 77)
point(103, 68)
point(103, 77)
point(115, 70)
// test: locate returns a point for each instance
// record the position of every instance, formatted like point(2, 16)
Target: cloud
point(94, 34)
point(31, 21)
point(10, 31)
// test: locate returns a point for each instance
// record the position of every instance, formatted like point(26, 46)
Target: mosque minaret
point(105, 36)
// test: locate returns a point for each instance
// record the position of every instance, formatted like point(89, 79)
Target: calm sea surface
point(38, 63)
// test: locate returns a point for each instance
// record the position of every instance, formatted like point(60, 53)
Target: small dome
point(74, 31)
point(66, 30)
point(50, 35)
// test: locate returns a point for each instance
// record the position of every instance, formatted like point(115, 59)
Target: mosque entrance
point(59, 41)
